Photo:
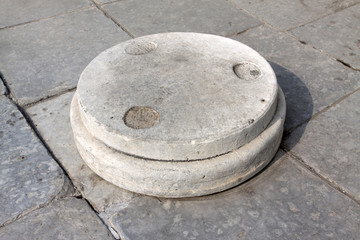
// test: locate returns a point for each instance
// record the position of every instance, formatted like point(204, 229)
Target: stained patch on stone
point(140, 117)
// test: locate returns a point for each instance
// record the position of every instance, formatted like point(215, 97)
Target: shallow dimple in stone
point(140, 117)
point(247, 71)
point(140, 47)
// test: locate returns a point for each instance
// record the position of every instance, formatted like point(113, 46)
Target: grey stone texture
point(68, 218)
point(337, 35)
point(105, 1)
point(205, 109)
point(311, 81)
point(3, 89)
point(285, 201)
point(286, 14)
point(14, 12)
point(331, 144)
point(179, 178)
point(52, 120)
point(203, 16)
point(29, 177)
point(53, 52)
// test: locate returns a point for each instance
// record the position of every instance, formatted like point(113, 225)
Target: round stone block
point(175, 179)
point(177, 96)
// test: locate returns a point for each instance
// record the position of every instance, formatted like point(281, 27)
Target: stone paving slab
point(14, 12)
point(286, 14)
point(310, 80)
point(3, 89)
point(69, 218)
point(203, 16)
point(283, 202)
point(52, 119)
point(331, 144)
point(29, 177)
point(52, 53)
point(338, 35)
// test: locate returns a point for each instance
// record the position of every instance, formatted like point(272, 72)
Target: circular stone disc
point(177, 96)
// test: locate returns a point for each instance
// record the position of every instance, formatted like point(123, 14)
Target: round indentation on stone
point(247, 71)
point(140, 47)
point(140, 117)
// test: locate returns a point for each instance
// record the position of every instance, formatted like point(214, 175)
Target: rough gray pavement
point(203, 16)
point(3, 89)
point(309, 191)
point(14, 12)
point(272, 206)
point(69, 218)
point(53, 52)
point(29, 177)
point(330, 144)
point(337, 35)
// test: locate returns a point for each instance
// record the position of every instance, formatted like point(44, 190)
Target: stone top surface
point(177, 96)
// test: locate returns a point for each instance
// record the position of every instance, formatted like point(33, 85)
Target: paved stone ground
point(310, 190)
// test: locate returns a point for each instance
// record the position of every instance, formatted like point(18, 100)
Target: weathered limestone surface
point(53, 122)
point(203, 108)
point(337, 35)
point(309, 86)
point(29, 177)
point(156, 16)
point(53, 52)
point(68, 218)
point(285, 14)
point(283, 202)
point(180, 178)
point(14, 12)
point(331, 144)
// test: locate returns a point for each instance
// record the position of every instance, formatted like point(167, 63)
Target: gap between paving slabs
point(67, 112)
point(51, 118)
point(25, 210)
point(30, 178)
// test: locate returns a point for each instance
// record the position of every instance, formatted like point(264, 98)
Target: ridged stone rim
point(175, 179)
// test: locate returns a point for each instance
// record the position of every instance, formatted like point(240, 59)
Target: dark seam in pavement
point(320, 112)
point(244, 31)
point(45, 18)
point(97, 214)
point(331, 183)
point(46, 98)
point(112, 19)
point(324, 16)
point(38, 135)
point(27, 212)
point(347, 64)
point(7, 87)
point(287, 31)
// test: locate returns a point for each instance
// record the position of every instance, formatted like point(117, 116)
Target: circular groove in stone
point(206, 110)
point(140, 117)
point(179, 179)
